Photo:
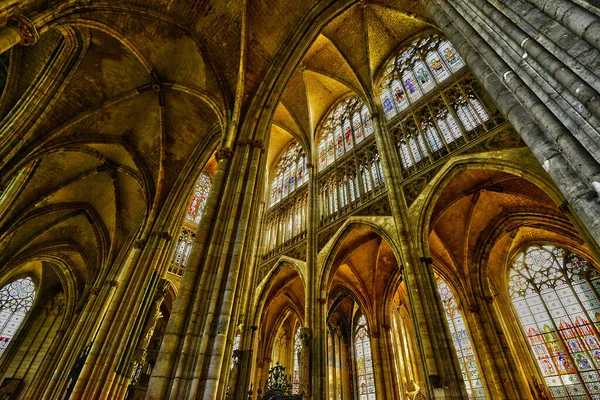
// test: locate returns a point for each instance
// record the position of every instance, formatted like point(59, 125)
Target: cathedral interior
point(285, 199)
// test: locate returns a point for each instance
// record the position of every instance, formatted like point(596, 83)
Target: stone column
point(18, 30)
point(192, 353)
point(438, 358)
point(560, 147)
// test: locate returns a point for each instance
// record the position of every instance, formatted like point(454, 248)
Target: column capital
point(113, 283)
point(257, 144)
point(166, 236)
point(25, 28)
point(224, 153)
point(139, 244)
point(426, 260)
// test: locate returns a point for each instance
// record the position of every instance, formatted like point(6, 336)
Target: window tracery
point(198, 200)
point(364, 362)
point(435, 109)
point(16, 300)
point(462, 342)
point(286, 218)
point(555, 295)
point(291, 172)
point(350, 170)
point(296, 371)
point(193, 215)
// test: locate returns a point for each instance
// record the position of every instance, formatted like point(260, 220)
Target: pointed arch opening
point(555, 294)
point(16, 299)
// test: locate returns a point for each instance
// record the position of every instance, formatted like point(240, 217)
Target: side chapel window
point(462, 342)
point(555, 295)
point(364, 362)
point(16, 300)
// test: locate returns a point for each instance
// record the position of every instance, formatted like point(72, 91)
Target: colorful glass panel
point(364, 362)
point(462, 343)
point(198, 201)
point(555, 296)
point(16, 300)
point(296, 371)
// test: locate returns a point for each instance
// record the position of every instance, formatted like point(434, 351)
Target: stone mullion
point(173, 341)
point(555, 148)
point(558, 80)
point(444, 96)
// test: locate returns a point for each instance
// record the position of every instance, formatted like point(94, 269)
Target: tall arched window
point(16, 300)
point(198, 200)
point(364, 362)
point(416, 70)
point(555, 295)
point(296, 372)
point(290, 173)
point(286, 218)
point(434, 108)
point(350, 171)
point(462, 342)
point(348, 124)
point(193, 215)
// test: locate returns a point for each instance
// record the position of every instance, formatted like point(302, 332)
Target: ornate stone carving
point(564, 207)
point(25, 28)
point(113, 283)
point(165, 236)
point(258, 144)
point(224, 153)
point(95, 290)
point(139, 244)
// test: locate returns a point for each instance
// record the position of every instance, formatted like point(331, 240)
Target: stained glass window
point(296, 373)
point(555, 295)
point(198, 201)
point(347, 124)
point(290, 173)
point(364, 362)
point(16, 300)
point(415, 71)
point(462, 342)
point(236, 346)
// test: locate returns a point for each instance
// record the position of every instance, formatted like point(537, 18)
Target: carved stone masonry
point(139, 244)
point(224, 153)
point(258, 144)
point(25, 28)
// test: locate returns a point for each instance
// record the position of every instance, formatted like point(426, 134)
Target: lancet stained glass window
point(462, 342)
point(16, 300)
point(415, 71)
point(555, 295)
point(198, 200)
point(364, 361)
point(296, 373)
point(348, 124)
point(290, 173)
